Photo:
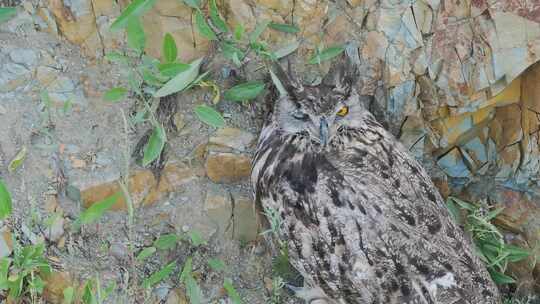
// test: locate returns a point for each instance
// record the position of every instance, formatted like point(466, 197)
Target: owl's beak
point(323, 131)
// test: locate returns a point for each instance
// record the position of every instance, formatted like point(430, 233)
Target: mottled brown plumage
point(362, 219)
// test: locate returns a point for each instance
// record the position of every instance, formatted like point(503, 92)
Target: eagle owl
point(363, 222)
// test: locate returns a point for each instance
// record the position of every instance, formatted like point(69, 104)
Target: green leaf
point(232, 52)
point(196, 238)
point(7, 13)
point(96, 211)
point(287, 49)
point(5, 201)
point(46, 99)
point(516, 253)
point(186, 271)
point(259, 29)
point(282, 27)
point(134, 9)
point(180, 81)
point(244, 91)
point(193, 290)
point(169, 51)
point(236, 60)
point(216, 264)
point(69, 295)
point(193, 3)
point(4, 272)
point(277, 83)
point(454, 211)
point(88, 293)
point(135, 34)
point(463, 204)
point(198, 80)
point(159, 276)
point(107, 292)
point(145, 253)
point(36, 284)
point(216, 18)
point(231, 291)
point(155, 145)
point(15, 285)
point(68, 104)
point(203, 27)
point(166, 241)
point(115, 94)
point(117, 57)
point(326, 54)
point(172, 69)
point(493, 213)
point(501, 278)
point(239, 31)
point(209, 116)
point(17, 161)
point(151, 78)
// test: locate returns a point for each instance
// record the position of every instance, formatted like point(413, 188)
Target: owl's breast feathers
point(365, 223)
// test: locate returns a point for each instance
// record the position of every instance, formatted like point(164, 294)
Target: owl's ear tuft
point(343, 74)
point(284, 82)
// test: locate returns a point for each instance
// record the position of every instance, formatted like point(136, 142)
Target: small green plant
point(277, 289)
point(185, 276)
point(231, 291)
point(22, 274)
point(17, 161)
point(489, 242)
point(193, 291)
point(96, 211)
point(5, 201)
point(325, 54)
point(281, 267)
point(93, 292)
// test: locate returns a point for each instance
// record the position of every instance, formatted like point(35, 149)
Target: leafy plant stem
point(129, 201)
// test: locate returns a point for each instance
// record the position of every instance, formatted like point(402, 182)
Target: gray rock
point(119, 250)
point(64, 89)
point(56, 230)
point(26, 57)
point(78, 7)
point(232, 138)
point(103, 159)
point(162, 292)
point(13, 75)
point(45, 75)
point(246, 221)
point(218, 206)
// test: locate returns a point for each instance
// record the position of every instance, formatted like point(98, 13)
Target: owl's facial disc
point(319, 120)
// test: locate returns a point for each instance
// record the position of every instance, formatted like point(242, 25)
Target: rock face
point(455, 68)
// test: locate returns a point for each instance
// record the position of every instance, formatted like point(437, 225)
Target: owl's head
point(323, 111)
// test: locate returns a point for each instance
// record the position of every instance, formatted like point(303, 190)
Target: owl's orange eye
point(343, 111)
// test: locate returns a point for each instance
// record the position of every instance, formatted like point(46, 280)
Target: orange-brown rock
point(55, 284)
point(143, 186)
point(6, 242)
point(190, 43)
point(223, 167)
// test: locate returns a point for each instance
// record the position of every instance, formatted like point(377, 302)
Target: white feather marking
point(446, 281)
